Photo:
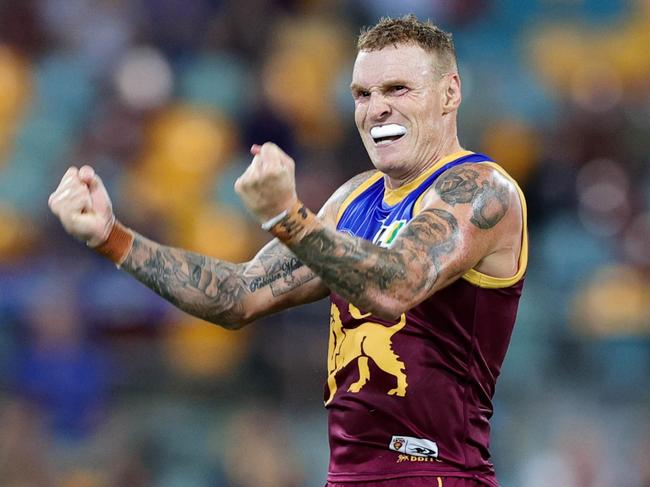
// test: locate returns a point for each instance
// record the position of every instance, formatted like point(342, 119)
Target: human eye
point(360, 94)
point(397, 89)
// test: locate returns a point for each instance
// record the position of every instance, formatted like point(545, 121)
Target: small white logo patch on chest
point(387, 233)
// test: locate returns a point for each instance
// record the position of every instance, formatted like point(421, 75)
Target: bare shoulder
point(491, 194)
point(331, 207)
point(487, 205)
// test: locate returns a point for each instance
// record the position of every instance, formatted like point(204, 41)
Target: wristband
point(117, 245)
point(270, 223)
point(296, 222)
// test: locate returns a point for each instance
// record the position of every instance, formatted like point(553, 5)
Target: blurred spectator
point(23, 447)
point(173, 93)
point(258, 451)
point(57, 369)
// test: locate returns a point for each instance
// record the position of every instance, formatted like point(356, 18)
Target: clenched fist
point(268, 186)
point(83, 206)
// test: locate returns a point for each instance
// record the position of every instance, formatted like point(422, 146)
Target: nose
point(378, 107)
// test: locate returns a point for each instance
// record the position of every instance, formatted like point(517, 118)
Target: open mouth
point(387, 134)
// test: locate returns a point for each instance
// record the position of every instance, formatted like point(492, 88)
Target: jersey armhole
point(354, 194)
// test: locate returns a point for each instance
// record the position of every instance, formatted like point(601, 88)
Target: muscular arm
point(228, 294)
point(224, 293)
point(465, 219)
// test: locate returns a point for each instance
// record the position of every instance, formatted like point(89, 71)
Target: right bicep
point(276, 279)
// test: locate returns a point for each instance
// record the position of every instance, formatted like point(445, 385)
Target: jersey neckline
point(395, 196)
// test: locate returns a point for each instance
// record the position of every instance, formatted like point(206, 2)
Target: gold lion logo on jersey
point(369, 340)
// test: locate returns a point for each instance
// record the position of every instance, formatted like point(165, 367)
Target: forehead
point(403, 62)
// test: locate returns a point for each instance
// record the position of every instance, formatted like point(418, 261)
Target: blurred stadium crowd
point(103, 384)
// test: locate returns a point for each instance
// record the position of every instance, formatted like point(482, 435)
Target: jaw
point(393, 155)
point(401, 160)
point(388, 157)
point(401, 156)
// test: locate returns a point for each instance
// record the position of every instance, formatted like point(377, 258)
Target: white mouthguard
point(390, 130)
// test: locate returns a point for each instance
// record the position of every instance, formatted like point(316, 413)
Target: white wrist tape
point(270, 223)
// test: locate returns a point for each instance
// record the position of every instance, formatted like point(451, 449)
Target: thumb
point(87, 175)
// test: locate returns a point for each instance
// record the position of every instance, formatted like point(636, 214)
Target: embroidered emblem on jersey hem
point(418, 447)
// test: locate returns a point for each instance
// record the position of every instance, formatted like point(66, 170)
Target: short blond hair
point(409, 30)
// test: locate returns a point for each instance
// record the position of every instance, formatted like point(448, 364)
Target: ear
point(451, 93)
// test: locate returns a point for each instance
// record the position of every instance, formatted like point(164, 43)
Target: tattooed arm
point(224, 293)
point(228, 294)
point(470, 219)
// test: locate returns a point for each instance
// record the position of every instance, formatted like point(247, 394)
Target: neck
point(394, 181)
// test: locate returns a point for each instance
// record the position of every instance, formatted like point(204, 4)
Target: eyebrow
point(385, 84)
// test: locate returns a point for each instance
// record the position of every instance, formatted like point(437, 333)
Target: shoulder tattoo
point(489, 197)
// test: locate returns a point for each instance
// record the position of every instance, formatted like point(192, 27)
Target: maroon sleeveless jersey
point(413, 397)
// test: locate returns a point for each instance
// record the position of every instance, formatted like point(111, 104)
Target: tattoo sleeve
point(360, 271)
point(211, 289)
point(279, 269)
point(489, 197)
point(218, 291)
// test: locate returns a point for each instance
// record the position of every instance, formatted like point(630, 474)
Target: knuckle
point(267, 148)
point(76, 193)
point(241, 184)
point(69, 181)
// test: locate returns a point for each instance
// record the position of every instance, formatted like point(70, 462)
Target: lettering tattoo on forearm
point(489, 197)
point(209, 288)
point(353, 267)
point(282, 271)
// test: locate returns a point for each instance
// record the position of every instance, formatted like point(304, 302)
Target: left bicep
point(464, 218)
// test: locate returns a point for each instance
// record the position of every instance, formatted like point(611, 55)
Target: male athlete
point(423, 260)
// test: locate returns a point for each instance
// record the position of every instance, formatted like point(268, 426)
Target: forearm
point(208, 288)
point(371, 277)
point(383, 281)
